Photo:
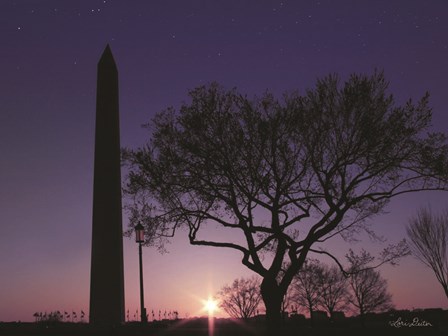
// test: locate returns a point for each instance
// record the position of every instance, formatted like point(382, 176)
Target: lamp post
point(140, 239)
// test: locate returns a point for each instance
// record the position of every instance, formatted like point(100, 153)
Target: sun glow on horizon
point(210, 306)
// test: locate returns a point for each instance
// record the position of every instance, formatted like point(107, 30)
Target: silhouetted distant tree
point(242, 298)
point(333, 292)
point(288, 305)
point(318, 286)
point(368, 290)
point(282, 176)
point(428, 236)
point(307, 286)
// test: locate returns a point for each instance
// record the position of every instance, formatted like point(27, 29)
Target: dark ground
point(199, 327)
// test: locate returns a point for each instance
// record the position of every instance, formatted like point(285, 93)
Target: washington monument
point(106, 274)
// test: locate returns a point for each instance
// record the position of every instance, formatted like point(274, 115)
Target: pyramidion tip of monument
point(107, 56)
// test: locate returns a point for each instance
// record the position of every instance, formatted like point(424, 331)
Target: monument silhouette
point(106, 276)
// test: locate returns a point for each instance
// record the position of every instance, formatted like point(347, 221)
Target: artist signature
point(416, 322)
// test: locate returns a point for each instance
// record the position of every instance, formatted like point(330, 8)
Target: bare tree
point(428, 236)
point(306, 286)
point(288, 303)
point(242, 298)
point(333, 290)
point(318, 286)
point(282, 176)
point(368, 289)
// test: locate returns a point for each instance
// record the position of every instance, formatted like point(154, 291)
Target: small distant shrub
point(55, 316)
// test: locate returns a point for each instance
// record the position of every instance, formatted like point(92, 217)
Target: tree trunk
point(331, 312)
point(273, 298)
point(311, 316)
point(362, 315)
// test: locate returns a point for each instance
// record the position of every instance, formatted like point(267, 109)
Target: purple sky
point(48, 59)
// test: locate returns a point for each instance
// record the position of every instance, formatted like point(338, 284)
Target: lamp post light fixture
point(140, 239)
